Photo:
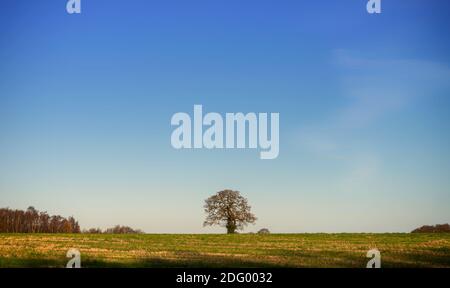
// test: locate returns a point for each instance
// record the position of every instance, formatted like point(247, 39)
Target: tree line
point(118, 229)
point(439, 228)
point(34, 221)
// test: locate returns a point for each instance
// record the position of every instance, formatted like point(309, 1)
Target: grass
point(243, 250)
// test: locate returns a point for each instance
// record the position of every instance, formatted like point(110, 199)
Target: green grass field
point(243, 250)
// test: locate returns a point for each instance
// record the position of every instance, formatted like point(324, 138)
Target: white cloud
point(375, 87)
point(371, 89)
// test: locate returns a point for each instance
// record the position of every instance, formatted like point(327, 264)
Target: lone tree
point(228, 209)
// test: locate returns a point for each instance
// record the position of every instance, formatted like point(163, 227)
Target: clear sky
point(364, 102)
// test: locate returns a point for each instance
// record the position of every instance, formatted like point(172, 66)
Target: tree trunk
point(231, 227)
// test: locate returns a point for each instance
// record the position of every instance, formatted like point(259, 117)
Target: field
point(242, 250)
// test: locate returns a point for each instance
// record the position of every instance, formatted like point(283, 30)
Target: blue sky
point(86, 102)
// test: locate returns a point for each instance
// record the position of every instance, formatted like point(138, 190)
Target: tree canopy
point(228, 209)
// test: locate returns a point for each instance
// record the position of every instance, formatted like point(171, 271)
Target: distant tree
point(118, 229)
point(439, 228)
point(74, 226)
point(44, 224)
point(264, 231)
point(93, 231)
point(122, 230)
point(31, 217)
point(228, 209)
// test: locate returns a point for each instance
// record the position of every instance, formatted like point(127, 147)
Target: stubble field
point(241, 250)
